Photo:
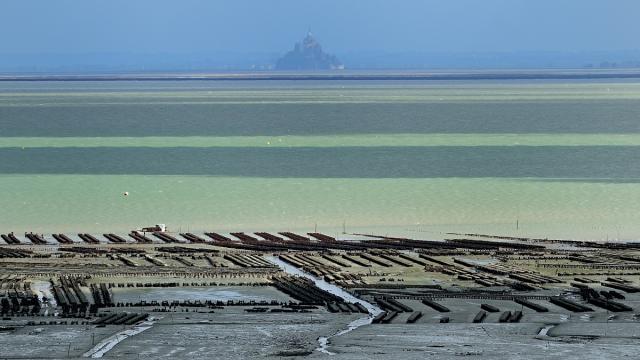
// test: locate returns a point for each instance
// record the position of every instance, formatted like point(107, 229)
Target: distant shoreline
point(400, 76)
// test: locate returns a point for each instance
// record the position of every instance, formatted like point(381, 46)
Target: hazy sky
point(188, 26)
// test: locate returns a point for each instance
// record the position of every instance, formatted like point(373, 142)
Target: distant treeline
point(265, 61)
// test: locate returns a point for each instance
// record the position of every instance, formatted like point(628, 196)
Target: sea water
point(422, 159)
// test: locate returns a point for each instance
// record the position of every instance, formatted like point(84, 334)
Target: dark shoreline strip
point(332, 77)
point(543, 162)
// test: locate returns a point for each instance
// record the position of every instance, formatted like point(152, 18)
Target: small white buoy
point(126, 193)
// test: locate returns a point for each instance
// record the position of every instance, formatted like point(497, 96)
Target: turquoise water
point(420, 159)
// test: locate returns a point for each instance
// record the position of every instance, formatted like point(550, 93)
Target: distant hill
point(308, 55)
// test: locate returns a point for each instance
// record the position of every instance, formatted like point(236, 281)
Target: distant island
point(308, 55)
